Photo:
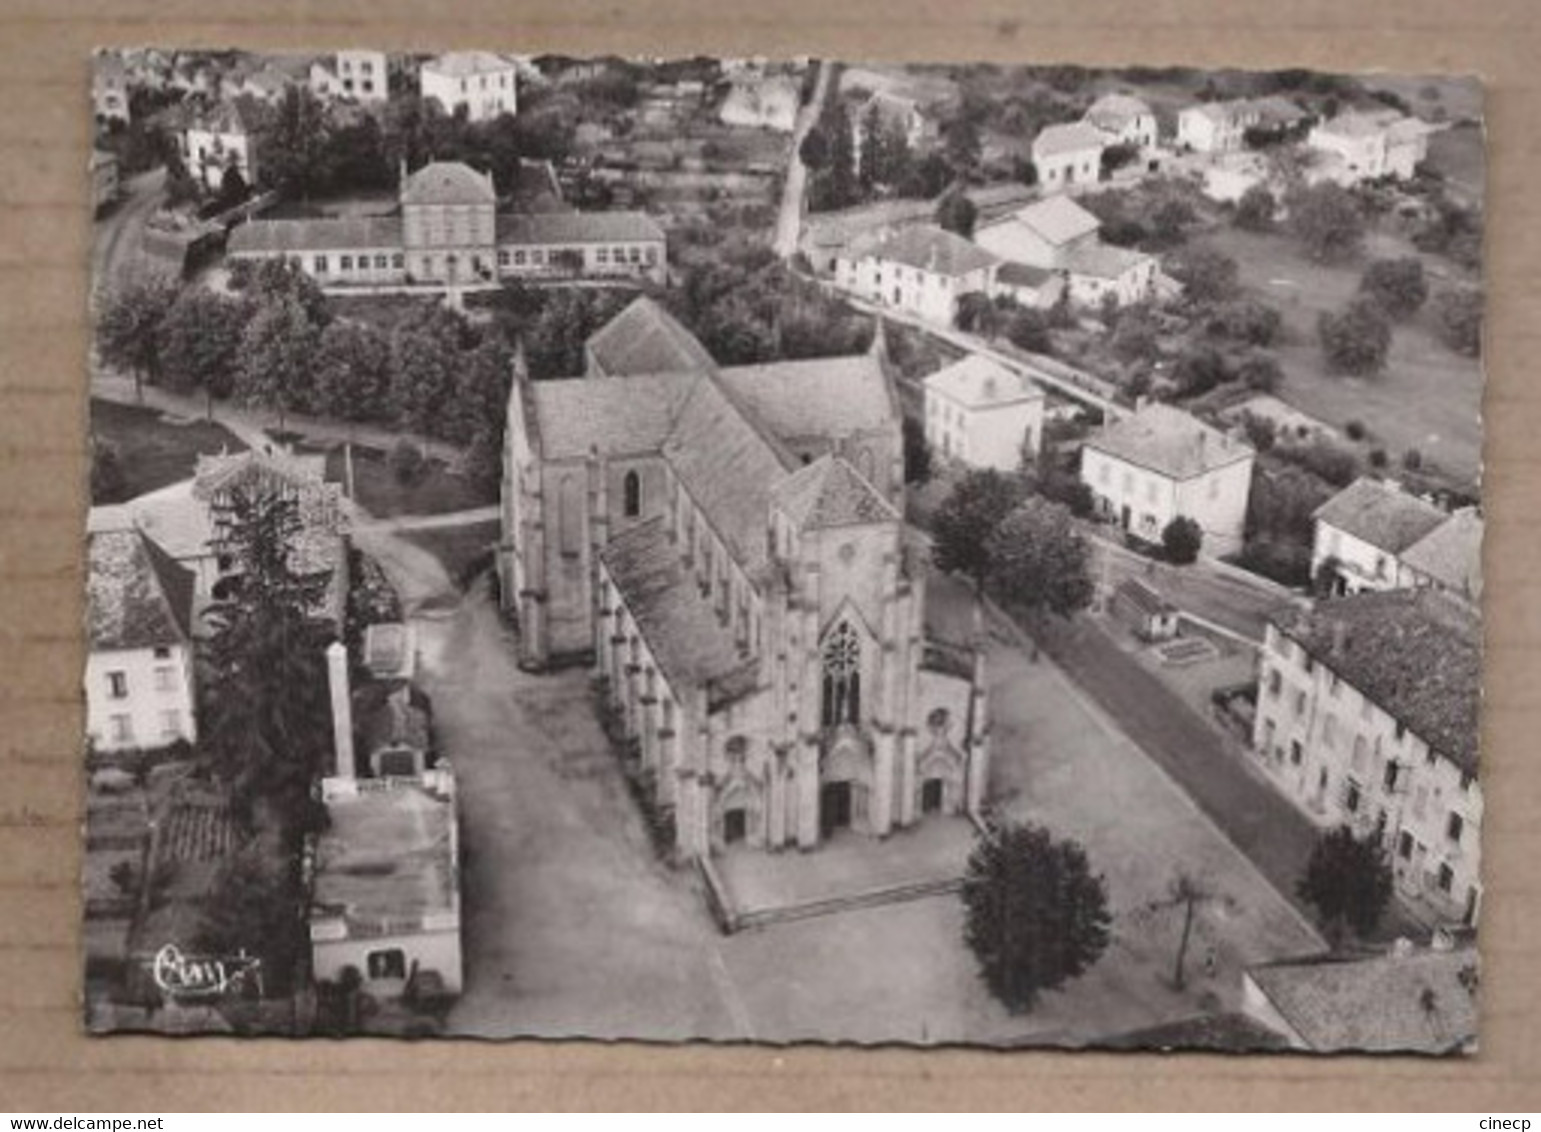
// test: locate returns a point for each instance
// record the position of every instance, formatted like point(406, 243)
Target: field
point(376, 489)
point(1427, 398)
point(1459, 155)
point(153, 450)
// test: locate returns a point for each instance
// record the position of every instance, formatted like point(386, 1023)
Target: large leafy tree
point(294, 143)
point(966, 520)
point(424, 361)
point(201, 338)
point(1036, 916)
point(1397, 286)
point(128, 324)
point(1327, 221)
point(1355, 340)
point(278, 358)
point(1038, 560)
point(352, 371)
point(1347, 881)
point(267, 707)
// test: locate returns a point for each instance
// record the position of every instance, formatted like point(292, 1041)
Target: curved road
point(120, 233)
point(789, 224)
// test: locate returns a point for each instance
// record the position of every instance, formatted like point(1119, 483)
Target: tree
point(294, 143)
point(961, 144)
point(1458, 320)
point(1347, 881)
point(815, 150)
point(966, 519)
point(917, 452)
point(978, 314)
point(1188, 894)
point(128, 325)
point(1327, 222)
point(267, 712)
point(1182, 539)
point(1246, 320)
point(956, 213)
point(1255, 210)
point(1115, 157)
point(1207, 275)
point(1036, 916)
point(278, 357)
point(1357, 339)
point(352, 371)
point(1038, 561)
point(1135, 338)
point(1170, 221)
point(201, 338)
point(1261, 372)
point(108, 483)
point(1397, 286)
point(1028, 329)
point(252, 907)
point(424, 361)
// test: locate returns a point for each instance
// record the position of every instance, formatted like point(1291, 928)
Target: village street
point(119, 233)
point(789, 220)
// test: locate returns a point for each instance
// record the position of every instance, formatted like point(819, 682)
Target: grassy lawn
point(458, 549)
point(383, 312)
point(154, 451)
point(1427, 397)
point(378, 492)
point(1458, 153)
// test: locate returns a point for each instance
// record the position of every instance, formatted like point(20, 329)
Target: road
point(120, 233)
point(789, 222)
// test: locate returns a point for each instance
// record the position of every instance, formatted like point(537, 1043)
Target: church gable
point(831, 493)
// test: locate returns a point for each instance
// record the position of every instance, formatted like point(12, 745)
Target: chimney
point(342, 708)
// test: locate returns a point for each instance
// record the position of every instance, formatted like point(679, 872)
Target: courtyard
point(574, 927)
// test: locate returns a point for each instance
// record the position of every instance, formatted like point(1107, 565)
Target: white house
point(1373, 535)
point(1361, 147)
point(1217, 127)
point(759, 101)
point(982, 414)
point(922, 270)
point(1124, 119)
point(1367, 715)
point(139, 663)
point(1068, 153)
point(1056, 234)
point(219, 141)
point(357, 74)
point(484, 83)
point(896, 114)
point(1158, 463)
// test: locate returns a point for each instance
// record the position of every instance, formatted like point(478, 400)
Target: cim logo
point(198, 978)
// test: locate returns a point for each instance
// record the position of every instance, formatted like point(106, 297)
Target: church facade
point(726, 547)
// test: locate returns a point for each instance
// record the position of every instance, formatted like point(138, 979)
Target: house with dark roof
point(724, 545)
point(139, 659)
point(1406, 1000)
point(1160, 462)
point(450, 234)
point(1057, 235)
point(1373, 535)
point(921, 269)
point(1368, 716)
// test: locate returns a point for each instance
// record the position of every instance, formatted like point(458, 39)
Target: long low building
point(449, 233)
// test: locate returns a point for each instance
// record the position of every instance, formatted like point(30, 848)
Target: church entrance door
point(834, 807)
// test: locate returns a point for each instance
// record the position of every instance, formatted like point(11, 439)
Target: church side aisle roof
point(618, 417)
point(690, 643)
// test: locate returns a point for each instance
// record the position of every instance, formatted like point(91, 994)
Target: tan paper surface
point(47, 1064)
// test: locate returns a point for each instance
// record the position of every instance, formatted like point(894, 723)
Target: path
point(119, 233)
point(252, 425)
point(789, 221)
point(399, 523)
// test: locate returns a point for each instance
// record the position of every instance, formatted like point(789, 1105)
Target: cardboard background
point(46, 1063)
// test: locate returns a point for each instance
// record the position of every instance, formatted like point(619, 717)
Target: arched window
point(842, 677)
point(631, 490)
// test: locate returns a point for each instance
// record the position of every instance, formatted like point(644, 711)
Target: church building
point(726, 547)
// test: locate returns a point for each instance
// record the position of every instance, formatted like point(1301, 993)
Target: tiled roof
point(728, 465)
point(831, 493)
point(815, 397)
point(1067, 137)
point(365, 233)
point(1277, 110)
point(578, 228)
point(645, 338)
point(1023, 275)
point(617, 417)
point(226, 118)
point(690, 643)
point(1169, 441)
point(1105, 261)
point(1381, 514)
point(1390, 1003)
point(448, 182)
point(1451, 553)
point(978, 382)
point(1222, 111)
point(1056, 219)
point(932, 249)
point(1143, 597)
point(1416, 654)
point(387, 857)
point(1112, 112)
point(461, 64)
point(136, 596)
